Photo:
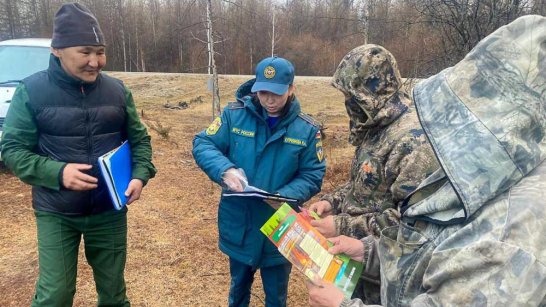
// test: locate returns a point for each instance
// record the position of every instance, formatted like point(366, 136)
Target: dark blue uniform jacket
point(287, 160)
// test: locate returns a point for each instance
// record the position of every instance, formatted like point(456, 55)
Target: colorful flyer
point(307, 249)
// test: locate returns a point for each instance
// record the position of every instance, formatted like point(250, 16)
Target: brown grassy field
point(173, 259)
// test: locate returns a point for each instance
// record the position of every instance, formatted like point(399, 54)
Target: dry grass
point(173, 256)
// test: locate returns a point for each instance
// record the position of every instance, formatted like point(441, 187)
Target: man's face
point(274, 103)
point(82, 62)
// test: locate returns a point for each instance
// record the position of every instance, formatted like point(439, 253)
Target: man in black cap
point(59, 122)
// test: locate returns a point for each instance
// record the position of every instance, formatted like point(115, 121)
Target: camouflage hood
point(368, 76)
point(486, 120)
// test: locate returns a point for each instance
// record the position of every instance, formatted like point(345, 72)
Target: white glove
point(234, 179)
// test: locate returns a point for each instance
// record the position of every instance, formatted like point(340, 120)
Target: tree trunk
point(11, 10)
point(366, 20)
point(142, 63)
point(212, 65)
point(123, 46)
point(273, 35)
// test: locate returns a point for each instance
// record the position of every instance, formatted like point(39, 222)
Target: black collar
point(59, 75)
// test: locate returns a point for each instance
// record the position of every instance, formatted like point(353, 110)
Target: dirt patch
point(173, 259)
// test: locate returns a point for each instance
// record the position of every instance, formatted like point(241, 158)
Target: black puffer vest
point(77, 122)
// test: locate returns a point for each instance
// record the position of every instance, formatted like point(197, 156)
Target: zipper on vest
point(91, 193)
point(87, 125)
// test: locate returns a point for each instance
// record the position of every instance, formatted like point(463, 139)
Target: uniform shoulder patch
point(236, 105)
point(311, 120)
point(320, 151)
point(214, 126)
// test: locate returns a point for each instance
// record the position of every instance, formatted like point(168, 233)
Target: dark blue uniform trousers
point(274, 279)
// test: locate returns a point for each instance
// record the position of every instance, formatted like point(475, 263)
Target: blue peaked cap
point(274, 75)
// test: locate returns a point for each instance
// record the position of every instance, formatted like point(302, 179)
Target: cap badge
point(269, 72)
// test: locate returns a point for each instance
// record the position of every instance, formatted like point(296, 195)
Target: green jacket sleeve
point(139, 139)
point(19, 140)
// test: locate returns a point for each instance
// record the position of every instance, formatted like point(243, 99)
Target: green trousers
point(105, 242)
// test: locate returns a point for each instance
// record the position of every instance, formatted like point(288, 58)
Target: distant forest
point(425, 36)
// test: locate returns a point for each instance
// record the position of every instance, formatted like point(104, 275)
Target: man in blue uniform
point(279, 150)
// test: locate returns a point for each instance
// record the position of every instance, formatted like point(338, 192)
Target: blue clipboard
point(116, 169)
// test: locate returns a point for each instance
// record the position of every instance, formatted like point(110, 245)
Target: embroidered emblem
point(243, 132)
point(318, 136)
point(269, 72)
point(214, 126)
point(320, 152)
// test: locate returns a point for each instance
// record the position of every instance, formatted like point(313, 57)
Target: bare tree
point(157, 35)
point(212, 64)
point(366, 8)
point(463, 23)
point(12, 18)
point(120, 14)
point(272, 34)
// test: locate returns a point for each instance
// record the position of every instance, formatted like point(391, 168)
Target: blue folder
point(116, 169)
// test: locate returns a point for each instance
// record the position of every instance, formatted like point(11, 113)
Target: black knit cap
point(75, 25)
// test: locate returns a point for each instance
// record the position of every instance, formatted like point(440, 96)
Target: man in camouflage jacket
point(392, 154)
point(473, 233)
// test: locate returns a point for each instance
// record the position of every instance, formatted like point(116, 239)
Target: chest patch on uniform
point(242, 132)
point(214, 126)
point(295, 141)
point(320, 152)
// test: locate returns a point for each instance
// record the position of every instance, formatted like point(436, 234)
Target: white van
point(19, 58)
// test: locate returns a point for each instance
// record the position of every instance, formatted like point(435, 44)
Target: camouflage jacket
point(392, 155)
point(473, 233)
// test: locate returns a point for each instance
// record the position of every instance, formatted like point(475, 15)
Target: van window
point(19, 62)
